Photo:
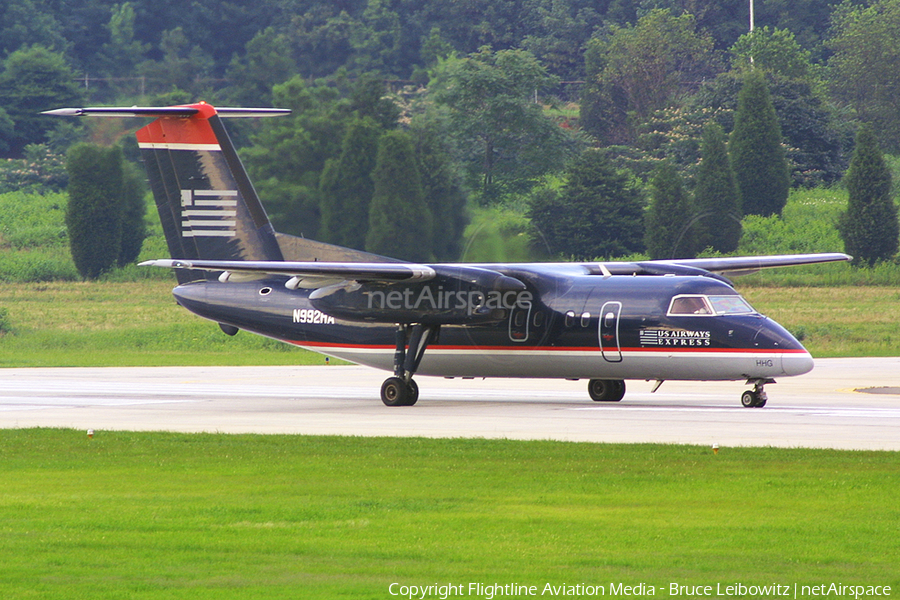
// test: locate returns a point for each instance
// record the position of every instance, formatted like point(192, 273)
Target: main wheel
point(412, 389)
point(395, 392)
point(606, 390)
point(749, 399)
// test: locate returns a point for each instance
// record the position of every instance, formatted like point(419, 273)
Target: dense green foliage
point(105, 211)
point(347, 186)
point(668, 226)
point(869, 227)
point(718, 206)
point(595, 193)
point(513, 90)
point(166, 515)
point(864, 63)
point(756, 154)
point(94, 211)
point(400, 222)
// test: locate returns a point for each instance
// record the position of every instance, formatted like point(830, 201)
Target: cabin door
point(609, 331)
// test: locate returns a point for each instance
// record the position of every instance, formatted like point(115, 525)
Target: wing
point(745, 265)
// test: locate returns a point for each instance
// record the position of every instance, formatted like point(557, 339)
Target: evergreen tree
point(94, 210)
point(668, 220)
point(716, 194)
point(869, 227)
point(347, 186)
point(598, 213)
point(443, 194)
point(133, 210)
point(400, 223)
point(757, 156)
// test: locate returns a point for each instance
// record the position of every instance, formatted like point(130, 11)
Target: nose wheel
point(756, 398)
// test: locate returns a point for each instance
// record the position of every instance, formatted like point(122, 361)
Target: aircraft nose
point(797, 363)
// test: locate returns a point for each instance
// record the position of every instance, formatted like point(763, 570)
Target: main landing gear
point(412, 340)
point(606, 390)
point(756, 398)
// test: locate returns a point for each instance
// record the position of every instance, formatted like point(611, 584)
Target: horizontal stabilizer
point(163, 111)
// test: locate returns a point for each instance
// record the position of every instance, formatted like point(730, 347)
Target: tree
point(636, 70)
point(865, 62)
point(266, 62)
point(505, 141)
point(347, 186)
point(400, 224)
point(94, 210)
point(133, 211)
point(122, 53)
point(668, 230)
point(869, 227)
point(35, 79)
point(24, 23)
point(716, 195)
point(443, 192)
point(598, 213)
point(757, 156)
point(288, 154)
point(771, 49)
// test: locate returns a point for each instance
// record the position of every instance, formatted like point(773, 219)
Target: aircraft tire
point(395, 392)
point(750, 399)
point(412, 389)
point(606, 390)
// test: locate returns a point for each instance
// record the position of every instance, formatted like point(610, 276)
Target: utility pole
point(752, 24)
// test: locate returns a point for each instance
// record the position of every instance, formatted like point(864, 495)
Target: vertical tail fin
point(207, 205)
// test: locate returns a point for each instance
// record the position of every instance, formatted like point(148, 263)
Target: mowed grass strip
point(136, 323)
point(163, 515)
point(835, 321)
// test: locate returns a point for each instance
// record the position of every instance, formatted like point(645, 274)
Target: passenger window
point(570, 318)
point(609, 320)
point(689, 305)
point(585, 319)
point(538, 319)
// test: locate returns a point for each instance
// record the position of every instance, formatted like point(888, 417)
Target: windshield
point(730, 305)
point(697, 304)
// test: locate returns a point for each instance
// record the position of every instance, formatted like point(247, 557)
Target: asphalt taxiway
point(842, 403)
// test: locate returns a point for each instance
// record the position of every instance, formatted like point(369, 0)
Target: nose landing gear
point(756, 398)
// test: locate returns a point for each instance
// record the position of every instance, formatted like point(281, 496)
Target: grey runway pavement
point(822, 409)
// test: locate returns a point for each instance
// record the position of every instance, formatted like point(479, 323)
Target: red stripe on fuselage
point(180, 130)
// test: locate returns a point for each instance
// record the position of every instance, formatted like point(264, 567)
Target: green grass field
point(160, 515)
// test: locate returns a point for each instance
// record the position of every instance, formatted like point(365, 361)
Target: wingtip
point(64, 112)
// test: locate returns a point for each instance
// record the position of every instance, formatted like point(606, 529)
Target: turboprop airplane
point(601, 321)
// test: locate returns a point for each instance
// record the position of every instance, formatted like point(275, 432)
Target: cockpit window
point(730, 305)
point(690, 305)
point(697, 304)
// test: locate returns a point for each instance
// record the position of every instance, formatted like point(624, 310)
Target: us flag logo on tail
point(209, 213)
